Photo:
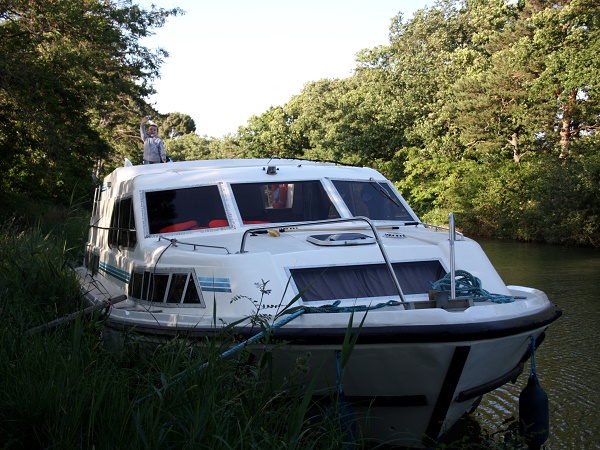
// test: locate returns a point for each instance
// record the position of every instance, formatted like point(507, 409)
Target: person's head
point(152, 129)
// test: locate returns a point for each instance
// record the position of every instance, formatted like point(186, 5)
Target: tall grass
point(62, 389)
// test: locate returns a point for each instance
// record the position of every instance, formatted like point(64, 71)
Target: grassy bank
point(62, 389)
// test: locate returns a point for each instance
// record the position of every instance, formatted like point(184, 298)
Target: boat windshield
point(183, 209)
point(372, 199)
point(294, 201)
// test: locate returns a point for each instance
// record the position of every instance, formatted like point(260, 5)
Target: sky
point(232, 59)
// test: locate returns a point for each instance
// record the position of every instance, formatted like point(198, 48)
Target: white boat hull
point(404, 384)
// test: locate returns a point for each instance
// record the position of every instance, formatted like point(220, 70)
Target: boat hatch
point(365, 280)
point(341, 239)
point(165, 287)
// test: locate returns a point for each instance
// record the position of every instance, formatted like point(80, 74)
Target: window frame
point(146, 217)
point(117, 231)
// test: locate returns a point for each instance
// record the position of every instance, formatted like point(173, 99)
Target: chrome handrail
point(440, 227)
point(330, 221)
point(176, 242)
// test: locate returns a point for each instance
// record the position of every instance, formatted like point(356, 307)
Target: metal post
point(452, 258)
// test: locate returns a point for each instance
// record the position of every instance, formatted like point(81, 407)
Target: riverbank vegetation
point(61, 388)
point(489, 109)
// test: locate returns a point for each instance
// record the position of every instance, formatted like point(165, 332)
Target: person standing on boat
point(154, 149)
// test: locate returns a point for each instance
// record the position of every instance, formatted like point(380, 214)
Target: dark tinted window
point(164, 287)
point(185, 209)
point(122, 225)
point(371, 199)
point(283, 202)
point(365, 281)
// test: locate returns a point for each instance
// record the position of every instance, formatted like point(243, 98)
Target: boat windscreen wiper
point(383, 191)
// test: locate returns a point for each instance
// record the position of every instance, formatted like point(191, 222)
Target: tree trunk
point(514, 142)
point(566, 123)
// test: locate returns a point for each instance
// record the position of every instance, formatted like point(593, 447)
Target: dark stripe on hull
point(446, 396)
point(380, 401)
point(443, 333)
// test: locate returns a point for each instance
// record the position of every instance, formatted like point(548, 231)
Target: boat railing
point(332, 221)
point(175, 243)
point(449, 229)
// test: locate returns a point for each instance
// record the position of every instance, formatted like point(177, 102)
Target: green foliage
point(72, 74)
point(188, 147)
point(177, 124)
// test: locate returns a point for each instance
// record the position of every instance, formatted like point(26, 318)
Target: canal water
point(568, 361)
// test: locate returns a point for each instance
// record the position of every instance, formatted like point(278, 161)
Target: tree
point(188, 147)
point(269, 135)
point(566, 42)
point(73, 79)
point(177, 124)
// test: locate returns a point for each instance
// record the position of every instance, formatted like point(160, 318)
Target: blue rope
point(469, 286)
point(532, 346)
point(334, 308)
point(177, 378)
point(338, 382)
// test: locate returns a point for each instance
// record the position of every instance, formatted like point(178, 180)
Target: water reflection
point(568, 363)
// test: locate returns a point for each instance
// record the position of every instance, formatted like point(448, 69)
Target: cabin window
point(184, 209)
point(366, 281)
point(122, 225)
point(372, 199)
point(296, 201)
point(164, 287)
point(97, 198)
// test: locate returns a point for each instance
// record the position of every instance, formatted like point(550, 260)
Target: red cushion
point(217, 223)
point(179, 226)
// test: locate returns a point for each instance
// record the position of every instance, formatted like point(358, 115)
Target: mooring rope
point(334, 308)
point(532, 346)
point(469, 286)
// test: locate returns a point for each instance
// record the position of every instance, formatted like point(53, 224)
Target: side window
point(122, 225)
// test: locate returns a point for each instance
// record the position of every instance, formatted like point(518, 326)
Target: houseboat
point(191, 247)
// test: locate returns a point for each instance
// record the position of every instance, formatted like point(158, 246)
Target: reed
point(62, 389)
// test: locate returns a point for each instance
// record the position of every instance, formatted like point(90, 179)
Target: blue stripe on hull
point(119, 274)
point(211, 284)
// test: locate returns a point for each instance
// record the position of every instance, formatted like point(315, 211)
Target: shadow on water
point(568, 362)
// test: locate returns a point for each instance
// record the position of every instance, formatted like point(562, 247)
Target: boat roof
point(232, 170)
